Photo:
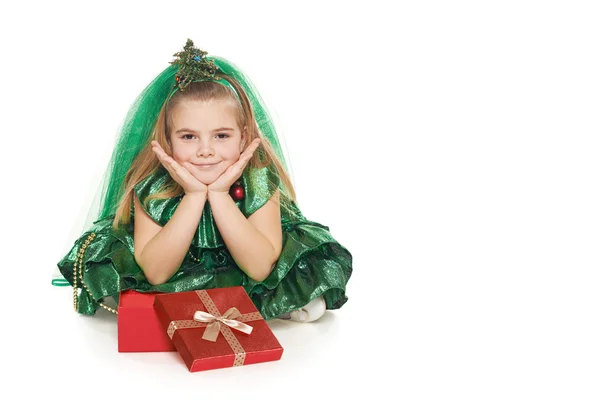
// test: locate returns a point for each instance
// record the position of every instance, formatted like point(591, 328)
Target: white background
point(452, 147)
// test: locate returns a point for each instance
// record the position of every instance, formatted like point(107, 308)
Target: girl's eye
point(187, 136)
point(222, 135)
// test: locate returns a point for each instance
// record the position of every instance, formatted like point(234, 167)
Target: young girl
point(197, 196)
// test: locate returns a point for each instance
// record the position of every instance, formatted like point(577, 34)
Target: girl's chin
point(208, 178)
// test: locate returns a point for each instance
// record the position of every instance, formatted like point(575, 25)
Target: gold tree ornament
point(193, 65)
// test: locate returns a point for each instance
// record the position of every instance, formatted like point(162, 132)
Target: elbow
point(155, 280)
point(259, 277)
point(155, 277)
point(151, 274)
point(263, 272)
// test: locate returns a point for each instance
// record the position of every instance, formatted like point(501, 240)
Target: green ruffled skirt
point(312, 264)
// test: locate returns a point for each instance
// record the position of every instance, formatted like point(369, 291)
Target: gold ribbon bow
point(213, 316)
point(214, 323)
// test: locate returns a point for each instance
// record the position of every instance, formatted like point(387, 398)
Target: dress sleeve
point(160, 210)
point(260, 185)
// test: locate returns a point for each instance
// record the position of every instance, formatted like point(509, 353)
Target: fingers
point(190, 168)
point(246, 156)
point(235, 170)
point(250, 149)
point(163, 157)
point(175, 169)
point(249, 152)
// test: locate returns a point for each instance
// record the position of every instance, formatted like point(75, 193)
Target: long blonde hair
point(146, 162)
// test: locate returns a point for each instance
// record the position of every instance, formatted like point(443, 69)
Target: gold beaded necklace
point(79, 262)
point(78, 270)
point(193, 258)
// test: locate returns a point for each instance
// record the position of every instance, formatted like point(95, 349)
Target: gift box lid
point(232, 347)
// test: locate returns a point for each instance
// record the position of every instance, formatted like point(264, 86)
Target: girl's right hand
point(180, 174)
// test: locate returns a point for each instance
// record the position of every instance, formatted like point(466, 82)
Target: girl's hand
point(181, 174)
point(232, 174)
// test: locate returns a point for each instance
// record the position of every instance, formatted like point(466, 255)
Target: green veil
point(137, 128)
point(141, 118)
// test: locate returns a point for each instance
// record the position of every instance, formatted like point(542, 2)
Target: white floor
point(79, 353)
point(389, 341)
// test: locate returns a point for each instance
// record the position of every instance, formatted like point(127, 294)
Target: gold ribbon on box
point(216, 323)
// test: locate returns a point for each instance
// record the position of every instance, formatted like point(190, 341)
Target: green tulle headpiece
point(190, 65)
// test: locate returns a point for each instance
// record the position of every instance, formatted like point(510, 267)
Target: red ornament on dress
point(237, 192)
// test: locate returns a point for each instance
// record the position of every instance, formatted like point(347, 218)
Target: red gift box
point(138, 327)
point(226, 314)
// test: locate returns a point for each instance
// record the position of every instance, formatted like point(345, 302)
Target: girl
point(197, 196)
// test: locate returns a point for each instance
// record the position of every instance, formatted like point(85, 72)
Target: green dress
point(312, 262)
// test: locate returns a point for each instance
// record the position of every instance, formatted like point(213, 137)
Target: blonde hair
point(146, 162)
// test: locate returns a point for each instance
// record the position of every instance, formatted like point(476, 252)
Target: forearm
point(250, 249)
point(165, 252)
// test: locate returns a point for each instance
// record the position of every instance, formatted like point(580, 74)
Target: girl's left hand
point(232, 174)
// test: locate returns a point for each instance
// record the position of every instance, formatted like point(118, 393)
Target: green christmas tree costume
point(312, 262)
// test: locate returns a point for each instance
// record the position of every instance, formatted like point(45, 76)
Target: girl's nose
point(205, 150)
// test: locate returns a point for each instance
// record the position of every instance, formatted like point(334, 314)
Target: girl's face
point(206, 134)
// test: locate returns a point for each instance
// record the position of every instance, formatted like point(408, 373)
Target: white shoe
point(310, 312)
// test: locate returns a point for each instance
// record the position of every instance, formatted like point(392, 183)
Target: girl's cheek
point(177, 156)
